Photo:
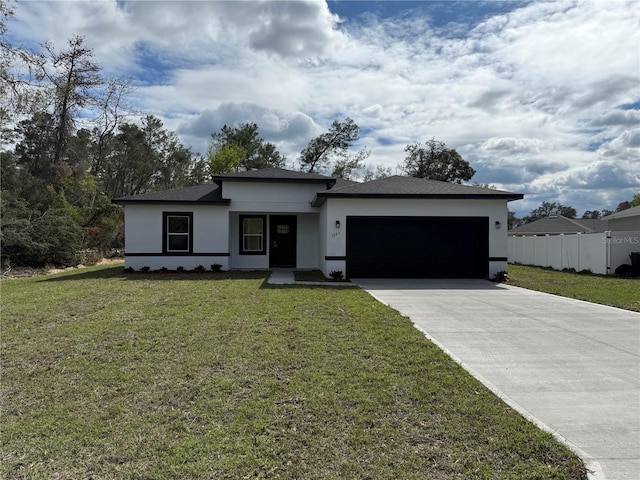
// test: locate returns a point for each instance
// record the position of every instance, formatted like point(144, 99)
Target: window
point(252, 238)
point(178, 232)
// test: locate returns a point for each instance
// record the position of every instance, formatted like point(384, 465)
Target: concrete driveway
point(572, 367)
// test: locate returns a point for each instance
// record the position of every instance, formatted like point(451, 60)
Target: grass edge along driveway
point(621, 292)
point(113, 375)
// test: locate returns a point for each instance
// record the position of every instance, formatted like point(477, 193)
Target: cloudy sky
point(542, 98)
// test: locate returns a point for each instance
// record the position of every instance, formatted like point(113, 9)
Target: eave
point(322, 197)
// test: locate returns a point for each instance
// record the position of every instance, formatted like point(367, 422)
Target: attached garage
point(404, 227)
point(417, 247)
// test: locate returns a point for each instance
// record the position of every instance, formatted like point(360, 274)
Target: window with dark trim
point(177, 230)
point(252, 235)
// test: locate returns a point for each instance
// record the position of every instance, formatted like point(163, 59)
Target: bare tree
point(74, 78)
point(108, 120)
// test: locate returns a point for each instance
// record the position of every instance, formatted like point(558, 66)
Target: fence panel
point(541, 251)
point(555, 251)
point(571, 251)
point(601, 253)
point(621, 244)
point(593, 253)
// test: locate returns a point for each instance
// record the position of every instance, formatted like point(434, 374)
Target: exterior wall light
point(498, 224)
point(337, 223)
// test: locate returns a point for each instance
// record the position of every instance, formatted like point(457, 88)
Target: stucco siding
point(270, 197)
point(144, 235)
point(307, 241)
point(143, 229)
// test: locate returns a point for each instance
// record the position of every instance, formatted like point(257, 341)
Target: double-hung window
point(178, 232)
point(252, 235)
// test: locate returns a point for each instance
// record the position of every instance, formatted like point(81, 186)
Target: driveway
point(572, 367)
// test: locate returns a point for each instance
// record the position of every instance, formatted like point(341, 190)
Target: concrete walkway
point(572, 367)
point(285, 276)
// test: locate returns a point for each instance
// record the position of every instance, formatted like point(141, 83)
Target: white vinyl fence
point(601, 253)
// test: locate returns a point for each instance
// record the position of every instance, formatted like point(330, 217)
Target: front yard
point(108, 375)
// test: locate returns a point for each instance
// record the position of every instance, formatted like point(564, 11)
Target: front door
point(282, 247)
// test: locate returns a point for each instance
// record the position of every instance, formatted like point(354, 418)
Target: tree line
point(548, 209)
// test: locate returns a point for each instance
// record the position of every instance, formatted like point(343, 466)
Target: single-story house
point(261, 219)
point(557, 225)
point(624, 220)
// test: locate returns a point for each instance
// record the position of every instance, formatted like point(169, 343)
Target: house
point(624, 220)
point(557, 225)
point(261, 219)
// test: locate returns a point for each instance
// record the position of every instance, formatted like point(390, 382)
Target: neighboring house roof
point(629, 212)
point(208, 194)
point(279, 175)
point(410, 187)
point(557, 224)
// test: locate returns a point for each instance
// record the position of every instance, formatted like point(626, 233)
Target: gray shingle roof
point(556, 225)
point(629, 212)
point(410, 187)
point(341, 182)
point(208, 193)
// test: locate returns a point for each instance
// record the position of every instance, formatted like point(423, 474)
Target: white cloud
point(291, 131)
point(530, 97)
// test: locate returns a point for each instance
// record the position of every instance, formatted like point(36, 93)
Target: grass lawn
point(615, 291)
point(111, 375)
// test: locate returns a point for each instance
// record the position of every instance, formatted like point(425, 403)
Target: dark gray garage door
point(418, 247)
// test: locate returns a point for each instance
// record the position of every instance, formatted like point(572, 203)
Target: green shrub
point(32, 238)
point(336, 275)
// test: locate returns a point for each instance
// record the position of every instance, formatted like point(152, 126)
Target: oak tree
point(434, 161)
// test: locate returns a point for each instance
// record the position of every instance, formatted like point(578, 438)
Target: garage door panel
point(417, 247)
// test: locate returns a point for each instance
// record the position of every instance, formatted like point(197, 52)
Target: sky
point(541, 98)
